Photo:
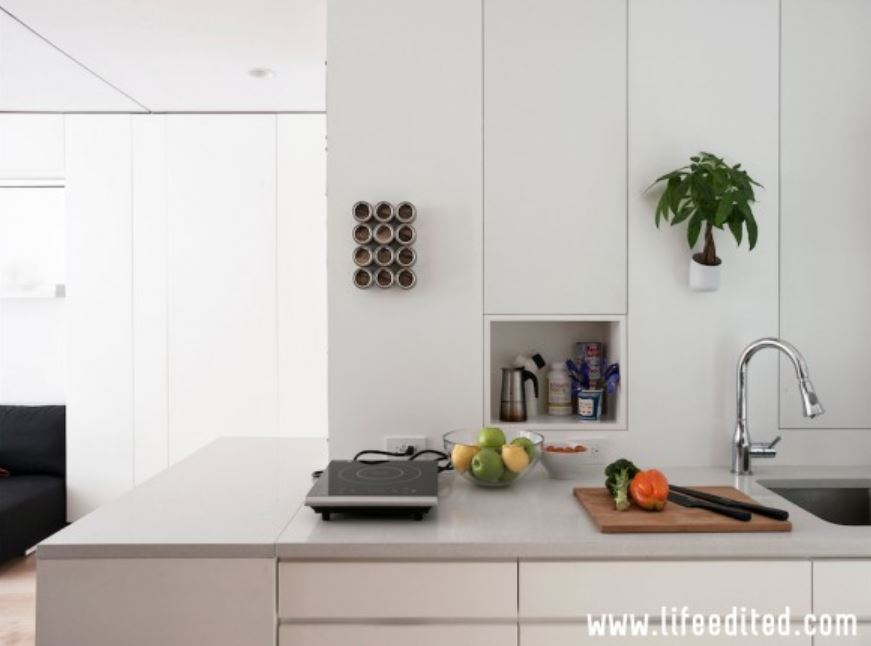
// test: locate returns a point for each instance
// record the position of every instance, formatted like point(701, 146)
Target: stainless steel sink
point(843, 502)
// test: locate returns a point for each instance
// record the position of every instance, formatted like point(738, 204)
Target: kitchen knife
point(770, 512)
point(686, 501)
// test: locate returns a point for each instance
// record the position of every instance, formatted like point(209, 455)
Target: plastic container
point(559, 391)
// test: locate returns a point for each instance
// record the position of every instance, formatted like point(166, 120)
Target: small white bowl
point(565, 466)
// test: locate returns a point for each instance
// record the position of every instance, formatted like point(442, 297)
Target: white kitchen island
point(219, 550)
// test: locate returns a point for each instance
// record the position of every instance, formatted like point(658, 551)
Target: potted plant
point(709, 194)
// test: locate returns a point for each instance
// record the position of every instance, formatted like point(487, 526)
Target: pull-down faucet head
point(743, 448)
point(812, 406)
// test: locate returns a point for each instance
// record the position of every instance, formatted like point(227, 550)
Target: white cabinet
point(555, 157)
point(221, 259)
point(578, 635)
point(368, 635)
point(404, 123)
point(842, 586)
point(142, 602)
point(861, 638)
point(31, 146)
point(825, 164)
point(570, 590)
point(321, 590)
point(681, 103)
point(150, 276)
point(301, 231)
point(99, 361)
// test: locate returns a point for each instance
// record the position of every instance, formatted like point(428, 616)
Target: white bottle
point(559, 391)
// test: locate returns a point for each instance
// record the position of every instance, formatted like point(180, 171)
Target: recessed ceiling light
point(261, 72)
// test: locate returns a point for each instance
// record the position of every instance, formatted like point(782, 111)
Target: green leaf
point(694, 228)
point(685, 212)
point(735, 225)
point(724, 208)
point(752, 229)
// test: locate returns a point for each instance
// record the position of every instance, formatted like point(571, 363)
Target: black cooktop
point(396, 487)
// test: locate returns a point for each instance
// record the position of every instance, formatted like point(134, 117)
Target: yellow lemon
point(461, 456)
point(515, 457)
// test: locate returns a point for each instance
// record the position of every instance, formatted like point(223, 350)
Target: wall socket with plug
point(597, 448)
point(400, 443)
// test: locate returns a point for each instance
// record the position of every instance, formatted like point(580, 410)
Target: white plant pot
point(704, 278)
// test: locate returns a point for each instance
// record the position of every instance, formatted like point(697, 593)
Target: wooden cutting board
point(674, 518)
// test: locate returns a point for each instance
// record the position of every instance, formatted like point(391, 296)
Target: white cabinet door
point(99, 365)
point(825, 163)
point(150, 437)
point(221, 198)
point(861, 638)
point(397, 635)
point(842, 586)
point(571, 590)
point(681, 103)
point(317, 590)
point(144, 602)
point(302, 275)
point(31, 146)
point(578, 635)
point(405, 124)
point(555, 157)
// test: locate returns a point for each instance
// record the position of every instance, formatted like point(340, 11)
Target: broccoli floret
point(619, 474)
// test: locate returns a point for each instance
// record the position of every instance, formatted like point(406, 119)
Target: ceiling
point(173, 55)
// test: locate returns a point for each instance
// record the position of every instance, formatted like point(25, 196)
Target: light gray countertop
point(242, 497)
point(229, 499)
point(539, 518)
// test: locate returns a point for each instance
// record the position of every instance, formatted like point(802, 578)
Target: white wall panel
point(555, 156)
point(222, 278)
point(99, 311)
point(150, 426)
point(31, 145)
point(703, 75)
point(302, 275)
point(826, 228)
point(404, 122)
point(32, 331)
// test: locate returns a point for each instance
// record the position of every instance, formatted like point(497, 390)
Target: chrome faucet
point(742, 447)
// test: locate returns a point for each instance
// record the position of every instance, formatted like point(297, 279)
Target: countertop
point(539, 518)
point(242, 498)
point(230, 499)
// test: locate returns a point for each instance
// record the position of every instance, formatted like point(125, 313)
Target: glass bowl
point(495, 464)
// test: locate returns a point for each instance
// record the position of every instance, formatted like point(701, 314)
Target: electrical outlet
point(400, 443)
point(597, 450)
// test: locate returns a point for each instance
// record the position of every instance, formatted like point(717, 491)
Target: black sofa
point(33, 497)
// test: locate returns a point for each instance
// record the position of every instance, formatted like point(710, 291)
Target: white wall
point(699, 75)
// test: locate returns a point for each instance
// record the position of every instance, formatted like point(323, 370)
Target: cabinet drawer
point(842, 586)
point(573, 589)
point(373, 635)
point(379, 589)
point(576, 635)
point(862, 638)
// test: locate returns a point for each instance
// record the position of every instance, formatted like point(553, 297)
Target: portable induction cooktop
point(391, 488)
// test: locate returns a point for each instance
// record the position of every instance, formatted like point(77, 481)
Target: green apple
point(491, 437)
point(487, 465)
point(507, 476)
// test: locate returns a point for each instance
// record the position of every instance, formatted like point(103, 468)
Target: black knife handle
point(770, 512)
point(737, 514)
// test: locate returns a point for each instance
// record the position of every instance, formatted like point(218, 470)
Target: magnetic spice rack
point(384, 237)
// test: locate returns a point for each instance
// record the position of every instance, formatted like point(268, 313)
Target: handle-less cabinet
point(825, 303)
point(554, 157)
